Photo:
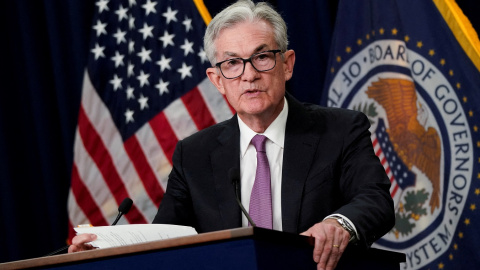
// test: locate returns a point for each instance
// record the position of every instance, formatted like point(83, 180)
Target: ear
point(288, 63)
point(215, 77)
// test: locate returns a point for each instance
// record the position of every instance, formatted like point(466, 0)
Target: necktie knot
point(259, 142)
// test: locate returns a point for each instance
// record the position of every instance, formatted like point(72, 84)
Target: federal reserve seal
point(420, 133)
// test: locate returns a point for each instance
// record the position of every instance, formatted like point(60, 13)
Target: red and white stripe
point(394, 188)
point(106, 170)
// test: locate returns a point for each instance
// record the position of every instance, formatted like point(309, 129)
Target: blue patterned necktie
point(261, 198)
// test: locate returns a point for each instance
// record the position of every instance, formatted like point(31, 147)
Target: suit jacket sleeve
point(329, 166)
point(364, 184)
point(176, 207)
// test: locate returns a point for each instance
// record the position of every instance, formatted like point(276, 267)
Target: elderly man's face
point(257, 94)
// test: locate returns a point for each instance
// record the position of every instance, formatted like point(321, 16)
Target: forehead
point(245, 38)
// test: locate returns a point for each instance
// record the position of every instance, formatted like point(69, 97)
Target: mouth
point(251, 92)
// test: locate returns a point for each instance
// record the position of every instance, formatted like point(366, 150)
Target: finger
point(327, 246)
point(318, 243)
point(343, 240)
point(72, 248)
point(79, 242)
point(83, 238)
point(307, 233)
point(318, 250)
point(336, 249)
point(81, 247)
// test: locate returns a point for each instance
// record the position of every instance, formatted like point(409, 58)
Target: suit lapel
point(300, 147)
point(223, 158)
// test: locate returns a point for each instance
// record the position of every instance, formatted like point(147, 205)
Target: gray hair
point(242, 11)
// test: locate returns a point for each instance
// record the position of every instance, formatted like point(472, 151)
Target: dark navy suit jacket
point(328, 167)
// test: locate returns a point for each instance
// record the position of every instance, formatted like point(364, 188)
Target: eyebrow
point(258, 49)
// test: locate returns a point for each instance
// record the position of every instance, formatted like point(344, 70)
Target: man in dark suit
point(324, 179)
point(329, 167)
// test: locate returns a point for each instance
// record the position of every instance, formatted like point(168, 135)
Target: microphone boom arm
point(241, 206)
point(234, 176)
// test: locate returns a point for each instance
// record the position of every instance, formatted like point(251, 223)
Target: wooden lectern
point(243, 248)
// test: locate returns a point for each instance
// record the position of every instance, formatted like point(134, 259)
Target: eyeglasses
point(234, 67)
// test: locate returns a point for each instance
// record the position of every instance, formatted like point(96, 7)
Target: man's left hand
point(331, 239)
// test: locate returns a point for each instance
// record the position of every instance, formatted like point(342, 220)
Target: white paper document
point(123, 235)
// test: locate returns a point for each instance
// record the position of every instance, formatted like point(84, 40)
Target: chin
point(257, 110)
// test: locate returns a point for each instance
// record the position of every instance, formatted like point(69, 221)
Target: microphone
point(234, 176)
point(123, 208)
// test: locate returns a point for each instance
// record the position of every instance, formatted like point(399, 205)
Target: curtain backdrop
point(45, 52)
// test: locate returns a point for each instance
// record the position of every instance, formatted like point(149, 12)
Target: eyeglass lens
point(261, 62)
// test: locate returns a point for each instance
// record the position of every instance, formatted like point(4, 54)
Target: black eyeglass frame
point(245, 60)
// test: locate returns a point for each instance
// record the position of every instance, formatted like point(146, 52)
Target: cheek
point(231, 93)
point(277, 85)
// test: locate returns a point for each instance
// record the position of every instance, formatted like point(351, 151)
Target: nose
point(249, 73)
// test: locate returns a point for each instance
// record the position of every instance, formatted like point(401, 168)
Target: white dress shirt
point(248, 163)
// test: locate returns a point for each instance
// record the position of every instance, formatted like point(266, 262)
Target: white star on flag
point(143, 78)
point(129, 116)
point(98, 51)
point(143, 102)
point(100, 28)
point(162, 87)
point(116, 81)
point(146, 31)
point(167, 39)
point(118, 59)
point(187, 47)
point(188, 24)
point(102, 5)
point(122, 13)
point(185, 70)
point(170, 15)
point(149, 7)
point(145, 55)
point(120, 36)
point(164, 63)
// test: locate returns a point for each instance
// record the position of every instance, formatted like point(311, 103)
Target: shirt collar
point(275, 132)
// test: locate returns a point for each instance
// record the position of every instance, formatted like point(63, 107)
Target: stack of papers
point(123, 235)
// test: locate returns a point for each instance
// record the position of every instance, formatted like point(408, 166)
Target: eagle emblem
point(415, 144)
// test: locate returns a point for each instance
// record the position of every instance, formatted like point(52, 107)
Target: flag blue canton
point(144, 57)
point(403, 176)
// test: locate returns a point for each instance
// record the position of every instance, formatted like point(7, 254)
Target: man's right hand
point(79, 242)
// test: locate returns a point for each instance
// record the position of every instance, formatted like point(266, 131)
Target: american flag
point(400, 176)
point(144, 88)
